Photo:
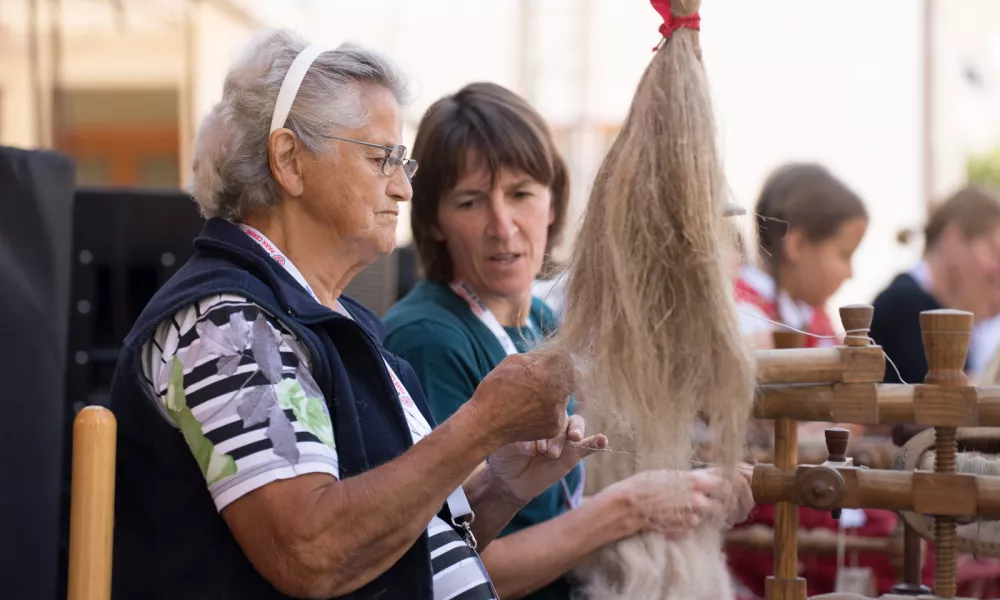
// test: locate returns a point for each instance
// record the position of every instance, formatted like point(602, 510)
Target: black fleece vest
point(170, 541)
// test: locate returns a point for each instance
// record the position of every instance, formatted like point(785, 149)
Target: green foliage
point(984, 169)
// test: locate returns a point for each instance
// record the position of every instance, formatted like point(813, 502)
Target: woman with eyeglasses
point(269, 446)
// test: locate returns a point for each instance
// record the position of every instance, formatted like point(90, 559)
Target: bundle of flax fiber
point(651, 321)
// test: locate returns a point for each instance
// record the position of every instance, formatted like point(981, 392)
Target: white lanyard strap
point(278, 257)
point(572, 498)
point(486, 316)
point(458, 504)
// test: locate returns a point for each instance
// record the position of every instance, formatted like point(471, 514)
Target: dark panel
point(126, 244)
point(36, 207)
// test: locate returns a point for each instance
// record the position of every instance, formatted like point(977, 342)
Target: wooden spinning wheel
point(844, 385)
point(980, 538)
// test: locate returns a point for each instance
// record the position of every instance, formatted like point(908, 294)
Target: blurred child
point(809, 224)
point(753, 320)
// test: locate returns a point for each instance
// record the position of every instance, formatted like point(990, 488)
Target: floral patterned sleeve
point(238, 387)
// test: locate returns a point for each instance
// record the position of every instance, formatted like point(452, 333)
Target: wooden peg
point(837, 439)
point(857, 321)
point(946, 335)
point(92, 504)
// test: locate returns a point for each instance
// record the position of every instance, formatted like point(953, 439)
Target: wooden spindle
point(946, 336)
point(855, 362)
point(92, 504)
point(786, 583)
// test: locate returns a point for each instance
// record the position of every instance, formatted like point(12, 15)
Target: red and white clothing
point(755, 288)
point(756, 291)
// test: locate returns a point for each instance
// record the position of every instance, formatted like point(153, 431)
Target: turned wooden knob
point(946, 336)
point(837, 439)
point(821, 488)
point(857, 322)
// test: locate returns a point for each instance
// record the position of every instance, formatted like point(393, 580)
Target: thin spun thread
point(847, 335)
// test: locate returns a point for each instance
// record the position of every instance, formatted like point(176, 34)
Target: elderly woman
point(489, 203)
point(269, 446)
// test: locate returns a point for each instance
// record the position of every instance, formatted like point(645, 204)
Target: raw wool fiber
point(651, 320)
point(656, 567)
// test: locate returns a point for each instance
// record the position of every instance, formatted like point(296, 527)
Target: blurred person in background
point(809, 224)
point(754, 320)
point(960, 269)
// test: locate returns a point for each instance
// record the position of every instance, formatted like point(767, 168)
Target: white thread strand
point(847, 335)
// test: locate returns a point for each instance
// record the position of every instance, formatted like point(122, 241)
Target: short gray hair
point(231, 170)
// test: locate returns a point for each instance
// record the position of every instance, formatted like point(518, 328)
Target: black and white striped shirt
point(238, 386)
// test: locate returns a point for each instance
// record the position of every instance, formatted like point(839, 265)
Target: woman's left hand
point(737, 497)
point(526, 469)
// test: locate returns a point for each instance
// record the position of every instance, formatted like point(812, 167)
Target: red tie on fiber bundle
point(672, 22)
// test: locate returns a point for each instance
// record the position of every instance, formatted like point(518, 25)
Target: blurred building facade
point(893, 101)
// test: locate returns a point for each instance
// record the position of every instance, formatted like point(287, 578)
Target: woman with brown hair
point(488, 205)
point(960, 269)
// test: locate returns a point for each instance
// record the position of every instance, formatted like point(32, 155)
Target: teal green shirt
point(451, 351)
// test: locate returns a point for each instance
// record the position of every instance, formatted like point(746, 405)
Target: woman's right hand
point(672, 503)
point(525, 397)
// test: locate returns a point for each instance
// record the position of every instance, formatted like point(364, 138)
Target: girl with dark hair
point(809, 224)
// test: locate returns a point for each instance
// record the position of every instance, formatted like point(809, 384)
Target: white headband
point(290, 85)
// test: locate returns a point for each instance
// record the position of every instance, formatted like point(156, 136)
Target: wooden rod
point(888, 490)
point(945, 528)
point(786, 514)
point(820, 365)
point(92, 504)
point(878, 404)
point(811, 541)
point(912, 562)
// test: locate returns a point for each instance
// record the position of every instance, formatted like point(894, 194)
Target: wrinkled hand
point(672, 503)
point(524, 398)
point(735, 495)
point(526, 469)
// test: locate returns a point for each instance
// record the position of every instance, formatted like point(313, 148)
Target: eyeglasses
point(395, 157)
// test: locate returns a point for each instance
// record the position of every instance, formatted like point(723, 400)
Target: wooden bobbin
point(857, 322)
point(92, 504)
point(946, 335)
